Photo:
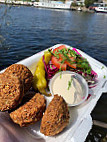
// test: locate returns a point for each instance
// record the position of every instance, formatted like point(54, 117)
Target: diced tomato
point(71, 65)
point(57, 62)
point(59, 48)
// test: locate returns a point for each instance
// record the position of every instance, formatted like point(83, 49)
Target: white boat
point(79, 9)
point(101, 9)
point(53, 5)
point(80, 120)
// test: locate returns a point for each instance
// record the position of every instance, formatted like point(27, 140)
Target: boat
point(53, 5)
point(81, 121)
point(101, 9)
point(79, 9)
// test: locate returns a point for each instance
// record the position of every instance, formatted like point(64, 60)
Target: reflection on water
point(26, 30)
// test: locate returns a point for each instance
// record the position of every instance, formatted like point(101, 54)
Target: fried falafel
point(56, 117)
point(23, 73)
point(30, 112)
point(11, 91)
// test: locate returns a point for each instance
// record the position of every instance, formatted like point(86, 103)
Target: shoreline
point(83, 9)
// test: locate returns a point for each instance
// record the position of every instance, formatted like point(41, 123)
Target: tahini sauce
point(72, 95)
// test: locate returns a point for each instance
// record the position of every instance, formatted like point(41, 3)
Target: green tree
point(89, 2)
point(74, 4)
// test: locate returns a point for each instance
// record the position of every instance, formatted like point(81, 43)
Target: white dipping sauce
point(60, 86)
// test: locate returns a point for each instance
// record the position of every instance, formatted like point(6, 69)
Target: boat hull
point(52, 5)
point(101, 9)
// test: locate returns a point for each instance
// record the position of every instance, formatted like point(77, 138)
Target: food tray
point(80, 119)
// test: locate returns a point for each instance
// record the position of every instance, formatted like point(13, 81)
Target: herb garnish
point(56, 54)
point(104, 77)
point(102, 67)
point(60, 72)
point(66, 54)
point(51, 66)
point(69, 83)
point(60, 75)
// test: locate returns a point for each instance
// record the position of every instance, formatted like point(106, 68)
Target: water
point(26, 30)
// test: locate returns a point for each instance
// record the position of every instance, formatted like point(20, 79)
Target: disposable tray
point(80, 119)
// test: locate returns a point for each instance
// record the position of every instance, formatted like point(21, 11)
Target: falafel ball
point(11, 91)
point(23, 73)
point(56, 117)
point(30, 112)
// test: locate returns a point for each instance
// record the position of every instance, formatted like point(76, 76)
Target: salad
point(62, 59)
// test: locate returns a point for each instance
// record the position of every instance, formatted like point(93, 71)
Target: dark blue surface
point(26, 30)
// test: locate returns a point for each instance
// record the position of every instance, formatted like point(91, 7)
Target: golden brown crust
point(56, 117)
point(23, 73)
point(30, 112)
point(11, 90)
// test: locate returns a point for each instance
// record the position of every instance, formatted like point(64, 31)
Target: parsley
point(65, 55)
point(50, 50)
point(104, 76)
point(62, 62)
point(60, 75)
point(60, 72)
point(51, 66)
point(69, 83)
point(84, 65)
point(73, 53)
point(102, 67)
point(55, 54)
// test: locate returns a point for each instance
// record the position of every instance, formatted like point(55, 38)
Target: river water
point(26, 30)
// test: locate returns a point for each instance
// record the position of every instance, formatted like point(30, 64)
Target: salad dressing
point(70, 92)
